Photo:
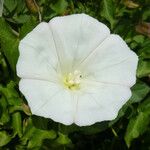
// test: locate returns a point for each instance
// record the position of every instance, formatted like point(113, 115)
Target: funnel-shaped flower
point(73, 70)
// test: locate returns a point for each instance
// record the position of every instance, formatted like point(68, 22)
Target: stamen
point(73, 80)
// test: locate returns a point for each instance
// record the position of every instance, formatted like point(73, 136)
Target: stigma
point(72, 80)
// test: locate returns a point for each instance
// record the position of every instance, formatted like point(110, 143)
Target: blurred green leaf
point(27, 27)
point(138, 124)
point(139, 39)
point(60, 6)
point(63, 139)
point(146, 14)
point(108, 12)
point(9, 44)
point(17, 123)
point(20, 6)
point(143, 68)
point(14, 102)
point(10, 5)
point(11, 94)
point(1, 7)
point(35, 136)
point(21, 18)
point(40, 122)
point(136, 127)
point(4, 138)
point(144, 52)
point(145, 106)
point(139, 91)
point(4, 114)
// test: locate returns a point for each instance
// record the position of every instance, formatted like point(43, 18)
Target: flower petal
point(112, 62)
point(70, 43)
point(79, 34)
point(38, 58)
point(100, 102)
point(48, 100)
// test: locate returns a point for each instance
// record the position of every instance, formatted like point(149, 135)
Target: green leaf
point(27, 27)
point(1, 7)
point(139, 39)
point(4, 114)
point(21, 5)
point(10, 5)
point(17, 123)
point(139, 91)
point(14, 101)
point(4, 138)
point(60, 6)
point(9, 44)
point(108, 12)
point(136, 127)
point(146, 14)
point(145, 106)
point(21, 18)
point(40, 122)
point(144, 52)
point(143, 68)
point(138, 124)
point(63, 139)
point(11, 94)
point(35, 136)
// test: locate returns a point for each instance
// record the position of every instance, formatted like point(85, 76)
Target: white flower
point(73, 70)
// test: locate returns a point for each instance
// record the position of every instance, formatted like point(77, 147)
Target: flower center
point(72, 80)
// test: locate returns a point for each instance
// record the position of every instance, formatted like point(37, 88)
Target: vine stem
point(38, 9)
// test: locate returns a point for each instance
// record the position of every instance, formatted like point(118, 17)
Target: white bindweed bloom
point(73, 70)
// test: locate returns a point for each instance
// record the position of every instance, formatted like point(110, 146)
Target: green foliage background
point(20, 130)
